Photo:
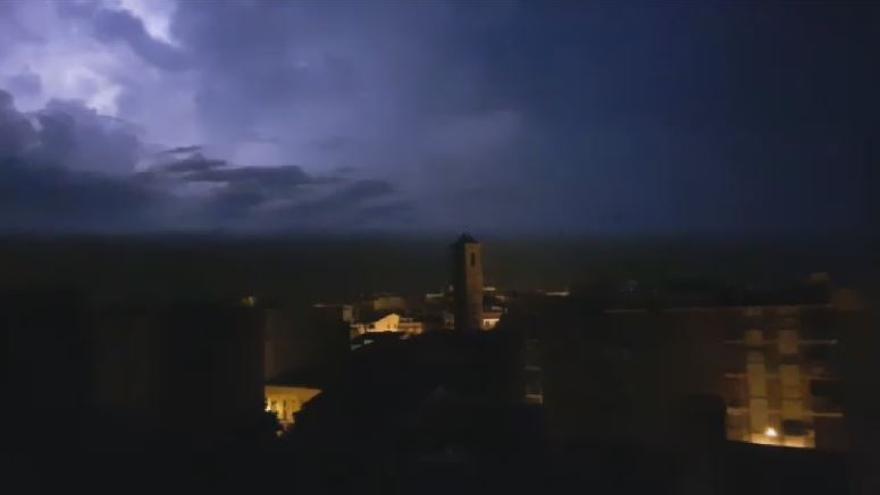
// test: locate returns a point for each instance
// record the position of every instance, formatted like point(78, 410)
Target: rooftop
point(465, 238)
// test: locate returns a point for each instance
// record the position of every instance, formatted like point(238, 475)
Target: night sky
point(518, 118)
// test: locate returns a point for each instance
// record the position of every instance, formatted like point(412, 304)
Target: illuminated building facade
point(783, 382)
point(490, 319)
point(387, 323)
point(410, 326)
point(287, 400)
point(391, 322)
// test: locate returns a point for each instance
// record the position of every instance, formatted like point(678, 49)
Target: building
point(299, 338)
point(130, 376)
point(388, 302)
point(493, 309)
point(467, 281)
point(188, 373)
point(780, 365)
point(410, 326)
point(285, 401)
point(344, 312)
point(391, 322)
point(448, 320)
point(307, 352)
point(491, 318)
point(386, 323)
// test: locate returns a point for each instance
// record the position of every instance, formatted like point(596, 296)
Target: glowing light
point(278, 398)
point(771, 432)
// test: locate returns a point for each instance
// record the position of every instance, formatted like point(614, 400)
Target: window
point(473, 260)
point(734, 333)
point(788, 342)
point(826, 389)
point(827, 396)
point(818, 354)
point(754, 338)
point(790, 378)
point(534, 388)
point(794, 428)
point(532, 353)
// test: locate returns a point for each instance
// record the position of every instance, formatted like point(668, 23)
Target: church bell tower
point(467, 282)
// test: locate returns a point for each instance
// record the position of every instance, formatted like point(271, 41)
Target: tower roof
point(465, 238)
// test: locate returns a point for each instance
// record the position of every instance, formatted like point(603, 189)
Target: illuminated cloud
point(498, 116)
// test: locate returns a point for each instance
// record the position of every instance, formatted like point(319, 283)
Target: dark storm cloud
point(345, 170)
point(45, 184)
point(334, 205)
point(181, 149)
point(53, 198)
point(390, 90)
point(392, 212)
point(77, 136)
point(356, 193)
point(41, 186)
point(266, 177)
point(251, 182)
point(295, 62)
point(366, 189)
point(25, 84)
point(195, 163)
point(499, 116)
point(360, 204)
point(16, 133)
point(719, 118)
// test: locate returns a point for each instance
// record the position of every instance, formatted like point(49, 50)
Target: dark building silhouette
point(307, 351)
point(45, 367)
point(128, 377)
point(187, 375)
point(298, 338)
point(780, 364)
point(467, 282)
